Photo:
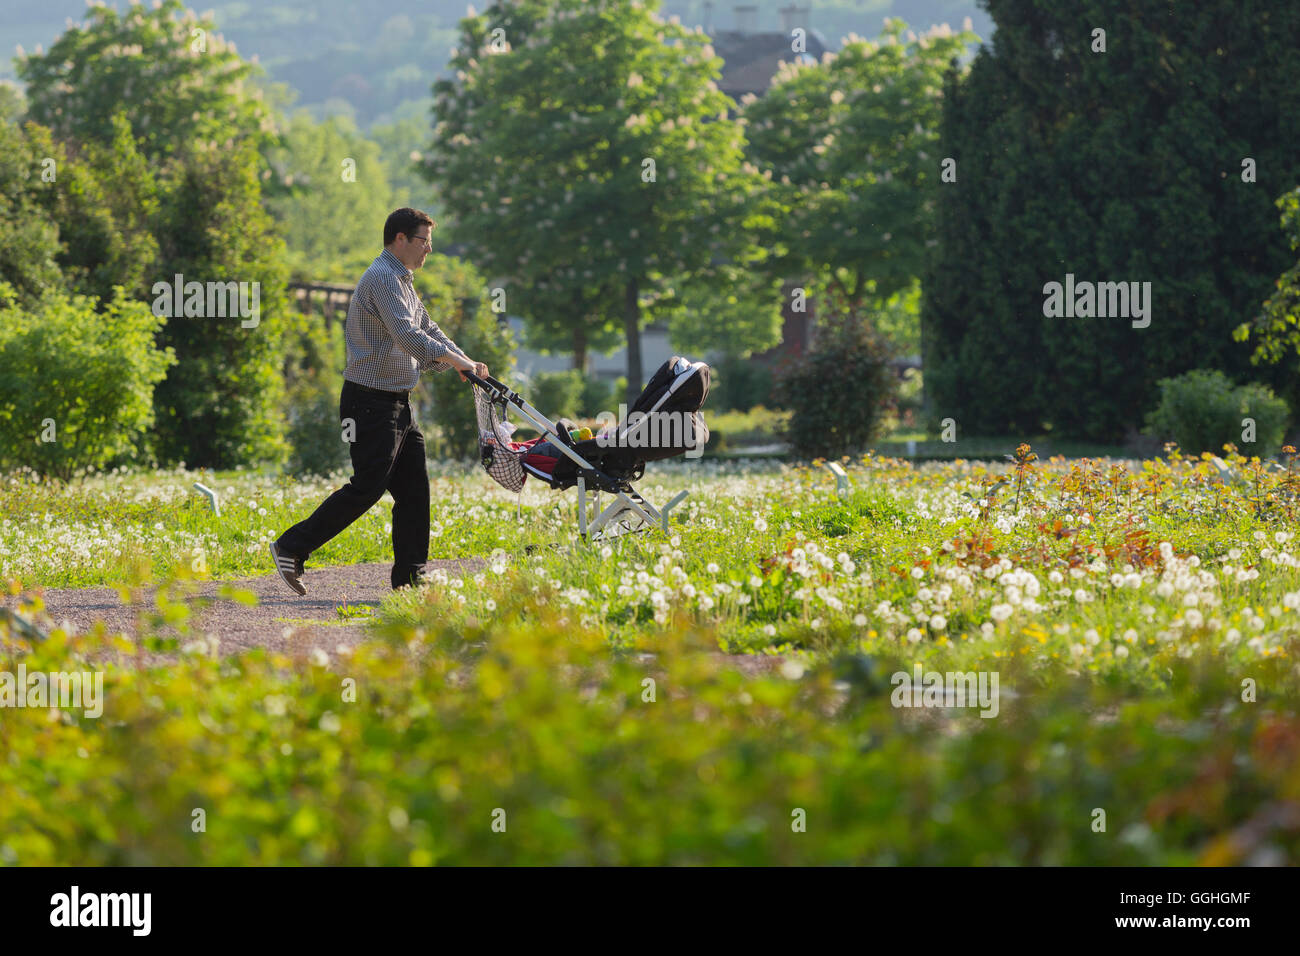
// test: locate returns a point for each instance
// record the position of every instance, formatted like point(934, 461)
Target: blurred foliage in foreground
point(531, 721)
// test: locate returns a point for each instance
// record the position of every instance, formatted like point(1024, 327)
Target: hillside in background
point(377, 63)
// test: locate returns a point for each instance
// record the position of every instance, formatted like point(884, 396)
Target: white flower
point(1121, 651)
point(918, 573)
point(760, 524)
point(913, 635)
point(938, 622)
point(859, 620)
point(711, 568)
point(1000, 612)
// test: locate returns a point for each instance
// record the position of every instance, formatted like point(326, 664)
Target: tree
point(13, 104)
point(223, 402)
point(848, 148)
point(197, 131)
point(1276, 329)
point(29, 240)
point(585, 146)
point(337, 194)
point(1154, 161)
point(73, 215)
point(172, 73)
point(103, 198)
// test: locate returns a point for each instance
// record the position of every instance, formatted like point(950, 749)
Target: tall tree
point(175, 76)
point(1149, 152)
point(336, 194)
point(199, 128)
point(586, 146)
point(223, 403)
point(849, 148)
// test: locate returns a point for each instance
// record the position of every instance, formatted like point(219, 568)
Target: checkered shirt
point(390, 337)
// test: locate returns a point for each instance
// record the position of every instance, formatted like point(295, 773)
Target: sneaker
point(417, 579)
point(290, 568)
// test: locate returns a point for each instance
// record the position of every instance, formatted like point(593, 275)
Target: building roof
point(750, 60)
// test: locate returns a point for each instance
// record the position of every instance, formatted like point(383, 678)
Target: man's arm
point(426, 323)
point(426, 348)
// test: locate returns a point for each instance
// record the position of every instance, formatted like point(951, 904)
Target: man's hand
point(469, 365)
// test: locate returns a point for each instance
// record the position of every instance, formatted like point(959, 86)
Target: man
point(390, 341)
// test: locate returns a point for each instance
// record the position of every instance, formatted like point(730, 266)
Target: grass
point(1143, 620)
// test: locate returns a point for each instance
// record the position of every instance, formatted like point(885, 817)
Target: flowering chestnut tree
point(585, 157)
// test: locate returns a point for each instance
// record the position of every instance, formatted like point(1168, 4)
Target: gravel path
point(280, 621)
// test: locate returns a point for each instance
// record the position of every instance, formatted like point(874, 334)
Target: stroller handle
point(489, 384)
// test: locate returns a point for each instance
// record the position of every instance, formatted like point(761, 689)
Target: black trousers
point(387, 455)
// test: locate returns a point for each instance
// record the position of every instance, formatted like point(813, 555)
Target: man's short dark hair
point(406, 221)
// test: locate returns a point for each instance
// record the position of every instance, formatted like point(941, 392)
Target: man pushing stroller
point(390, 341)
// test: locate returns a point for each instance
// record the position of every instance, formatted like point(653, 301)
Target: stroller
point(664, 422)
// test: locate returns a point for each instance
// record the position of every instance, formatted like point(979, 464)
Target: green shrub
point(839, 392)
point(597, 396)
point(1202, 411)
point(739, 384)
point(557, 394)
point(76, 380)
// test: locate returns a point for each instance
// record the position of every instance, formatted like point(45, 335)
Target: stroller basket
point(664, 422)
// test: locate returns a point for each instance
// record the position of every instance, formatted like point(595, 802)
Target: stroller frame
point(629, 513)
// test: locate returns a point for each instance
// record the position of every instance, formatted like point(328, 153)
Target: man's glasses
point(423, 240)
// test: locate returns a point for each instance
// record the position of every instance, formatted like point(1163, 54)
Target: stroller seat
point(663, 422)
